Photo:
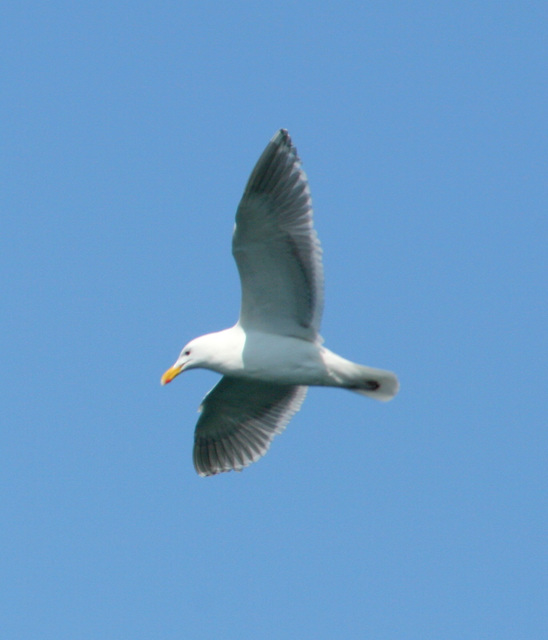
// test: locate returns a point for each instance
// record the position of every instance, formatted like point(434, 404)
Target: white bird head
point(190, 357)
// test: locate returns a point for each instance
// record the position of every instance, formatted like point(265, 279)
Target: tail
point(375, 383)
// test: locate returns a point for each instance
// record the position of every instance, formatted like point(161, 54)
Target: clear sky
point(128, 131)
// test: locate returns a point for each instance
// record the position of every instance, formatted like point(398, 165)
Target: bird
point(274, 352)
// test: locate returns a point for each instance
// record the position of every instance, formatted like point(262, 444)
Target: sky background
point(128, 131)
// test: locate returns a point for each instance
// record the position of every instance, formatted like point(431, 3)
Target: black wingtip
point(282, 137)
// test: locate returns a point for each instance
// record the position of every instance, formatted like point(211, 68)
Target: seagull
point(270, 357)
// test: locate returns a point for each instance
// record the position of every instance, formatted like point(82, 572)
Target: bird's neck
point(223, 350)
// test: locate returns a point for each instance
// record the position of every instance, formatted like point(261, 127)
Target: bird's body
point(274, 352)
point(286, 360)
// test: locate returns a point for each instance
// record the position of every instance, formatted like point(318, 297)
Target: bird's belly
point(282, 360)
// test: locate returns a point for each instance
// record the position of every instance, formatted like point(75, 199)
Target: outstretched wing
point(276, 248)
point(239, 418)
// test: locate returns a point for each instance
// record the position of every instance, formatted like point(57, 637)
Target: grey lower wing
point(276, 247)
point(239, 418)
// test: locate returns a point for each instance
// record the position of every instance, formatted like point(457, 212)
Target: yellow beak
point(171, 373)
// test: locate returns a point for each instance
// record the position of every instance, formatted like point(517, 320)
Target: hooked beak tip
point(170, 374)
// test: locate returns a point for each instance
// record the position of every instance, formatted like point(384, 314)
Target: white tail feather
point(375, 383)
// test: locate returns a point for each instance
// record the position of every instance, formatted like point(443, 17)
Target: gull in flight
point(270, 357)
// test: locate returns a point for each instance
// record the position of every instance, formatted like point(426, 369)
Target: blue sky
point(128, 133)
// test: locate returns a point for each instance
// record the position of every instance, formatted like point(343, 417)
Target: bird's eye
point(187, 352)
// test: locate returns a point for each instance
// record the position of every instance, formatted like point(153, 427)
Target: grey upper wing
point(239, 418)
point(276, 248)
